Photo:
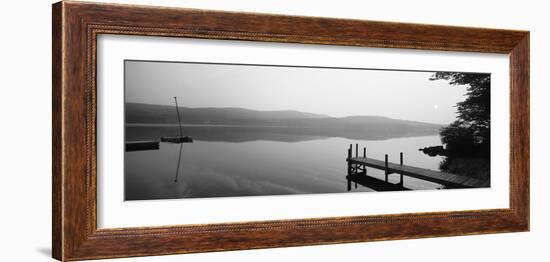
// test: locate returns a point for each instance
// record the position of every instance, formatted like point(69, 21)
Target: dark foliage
point(469, 135)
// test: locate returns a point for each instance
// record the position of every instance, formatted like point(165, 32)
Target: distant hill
point(147, 113)
point(287, 122)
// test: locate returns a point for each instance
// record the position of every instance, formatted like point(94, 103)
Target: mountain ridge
point(251, 122)
point(168, 116)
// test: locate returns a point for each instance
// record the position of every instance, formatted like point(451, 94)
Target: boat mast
point(179, 119)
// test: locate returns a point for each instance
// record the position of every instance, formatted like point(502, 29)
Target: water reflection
point(179, 161)
point(228, 133)
point(373, 183)
point(281, 165)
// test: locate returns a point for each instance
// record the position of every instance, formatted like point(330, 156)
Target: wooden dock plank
point(443, 178)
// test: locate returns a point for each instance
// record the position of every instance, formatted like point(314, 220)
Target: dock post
point(364, 156)
point(356, 150)
point(349, 160)
point(401, 163)
point(386, 165)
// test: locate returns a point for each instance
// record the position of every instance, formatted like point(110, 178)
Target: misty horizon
point(335, 92)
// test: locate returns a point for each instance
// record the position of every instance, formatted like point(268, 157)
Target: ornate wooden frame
point(76, 26)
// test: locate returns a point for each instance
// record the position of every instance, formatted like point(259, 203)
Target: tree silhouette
point(469, 136)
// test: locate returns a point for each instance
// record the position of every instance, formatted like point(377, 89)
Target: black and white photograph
point(201, 129)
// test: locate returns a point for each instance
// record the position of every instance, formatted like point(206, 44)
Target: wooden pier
point(357, 169)
point(141, 145)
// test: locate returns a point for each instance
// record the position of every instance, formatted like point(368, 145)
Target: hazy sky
point(334, 92)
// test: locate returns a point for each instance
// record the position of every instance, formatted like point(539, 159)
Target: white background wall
point(25, 110)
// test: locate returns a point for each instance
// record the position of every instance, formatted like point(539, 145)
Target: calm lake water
point(261, 164)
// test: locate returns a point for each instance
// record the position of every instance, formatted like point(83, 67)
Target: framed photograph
point(182, 130)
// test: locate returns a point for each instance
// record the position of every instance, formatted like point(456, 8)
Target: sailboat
point(181, 138)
